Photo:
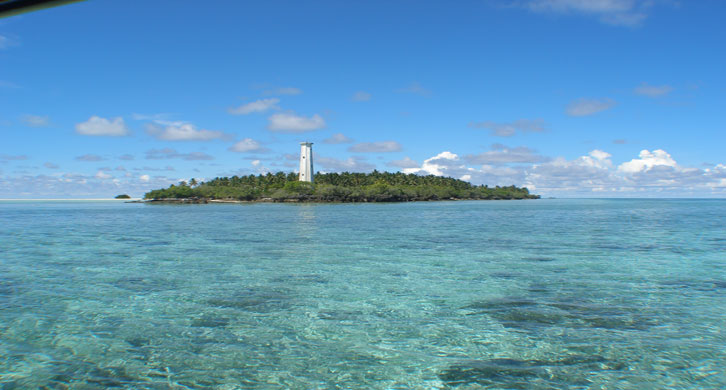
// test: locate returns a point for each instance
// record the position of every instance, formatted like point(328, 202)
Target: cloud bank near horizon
point(653, 173)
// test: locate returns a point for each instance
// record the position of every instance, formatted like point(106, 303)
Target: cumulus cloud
point(415, 88)
point(614, 12)
point(404, 163)
point(248, 145)
point(97, 126)
point(583, 174)
point(35, 120)
point(261, 105)
point(511, 128)
point(648, 160)
point(501, 154)
point(585, 107)
point(653, 173)
point(90, 158)
point(169, 153)
point(292, 123)
point(361, 96)
point(444, 164)
point(337, 138)
point(352, 164)
point(652, 90)
point(282, 91)
point(180, 131)
point(376, 147)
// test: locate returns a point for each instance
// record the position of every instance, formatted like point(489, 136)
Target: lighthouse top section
point(306, 162)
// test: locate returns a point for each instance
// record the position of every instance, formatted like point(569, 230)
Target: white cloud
point(90, 158)
point(438, 164)
point(248, 145)
point(50, 165)
point(337, 138)
point(180, 131)
point(501, 154)
point(97, 126)
point(376, 147)
point(6, 157)
point(654, 173)
point(600, 155)
point(511, 128)
point(155, 169)
point(261, 105)
point(585, 107)
point(407, 162)
point(35, 120)
point(352, 164)
point(361, 96)
point(283, 91)
point(169, 153)
point(415, 88)
point(624, 19)
point(648, 160)
point(595, 6)
point(76, 185)
point(291, 123)
point(614, 12)
point(102, 175)
point(652, 90)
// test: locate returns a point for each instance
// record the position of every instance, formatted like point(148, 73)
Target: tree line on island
point(335, 187)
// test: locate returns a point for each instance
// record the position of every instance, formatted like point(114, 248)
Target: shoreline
point(271, 200)
point(61, 199)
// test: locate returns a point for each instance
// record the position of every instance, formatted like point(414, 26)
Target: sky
point(570, 98)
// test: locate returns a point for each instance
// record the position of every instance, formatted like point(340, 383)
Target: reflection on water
point(306, 221)
point(534, 294)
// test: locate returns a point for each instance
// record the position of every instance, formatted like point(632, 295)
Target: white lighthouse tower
point(306, 162)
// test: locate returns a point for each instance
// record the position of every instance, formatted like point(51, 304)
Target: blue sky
point(603, 98)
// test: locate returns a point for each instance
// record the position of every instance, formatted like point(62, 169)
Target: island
point(122, 196)
point(332, 187)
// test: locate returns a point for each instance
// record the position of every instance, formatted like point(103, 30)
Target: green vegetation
point(336, 187)
point(123, 196)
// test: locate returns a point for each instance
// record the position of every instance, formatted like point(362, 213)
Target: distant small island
point(333, 187)
point(122, 196)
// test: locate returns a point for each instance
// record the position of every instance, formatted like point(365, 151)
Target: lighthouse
point(306, 162)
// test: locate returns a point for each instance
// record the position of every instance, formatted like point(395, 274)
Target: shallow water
point(544, 294)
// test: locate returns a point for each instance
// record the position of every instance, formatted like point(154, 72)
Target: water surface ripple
point(544, 294)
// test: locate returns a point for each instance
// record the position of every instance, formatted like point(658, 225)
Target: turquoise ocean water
point(543, 294)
